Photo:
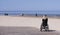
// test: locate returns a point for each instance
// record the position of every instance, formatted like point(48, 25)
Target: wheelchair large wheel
point(46, 28)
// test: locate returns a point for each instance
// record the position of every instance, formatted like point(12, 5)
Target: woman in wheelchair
point(44, 24)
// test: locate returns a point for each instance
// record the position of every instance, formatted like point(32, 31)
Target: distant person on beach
point(22, 14)
point(6, 14)
point(44, 24)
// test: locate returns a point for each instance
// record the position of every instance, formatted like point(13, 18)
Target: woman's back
point(45, 21)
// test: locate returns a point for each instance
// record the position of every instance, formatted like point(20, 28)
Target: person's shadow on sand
point(49, 31)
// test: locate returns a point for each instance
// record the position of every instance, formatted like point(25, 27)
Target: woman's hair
point(45, 15)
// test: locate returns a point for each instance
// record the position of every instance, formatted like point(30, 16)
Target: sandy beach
point(20, 21)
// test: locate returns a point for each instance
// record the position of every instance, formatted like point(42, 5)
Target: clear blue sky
point(29, 5)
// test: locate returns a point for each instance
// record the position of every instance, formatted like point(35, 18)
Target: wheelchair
point(44, 28)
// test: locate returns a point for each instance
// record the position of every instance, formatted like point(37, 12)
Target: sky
point(29, 5)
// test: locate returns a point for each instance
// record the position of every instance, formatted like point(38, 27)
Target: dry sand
point(13, 21)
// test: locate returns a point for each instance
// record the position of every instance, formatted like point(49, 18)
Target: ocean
point(31, 13)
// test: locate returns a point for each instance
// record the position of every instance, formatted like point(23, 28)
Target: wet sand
point(25, 31)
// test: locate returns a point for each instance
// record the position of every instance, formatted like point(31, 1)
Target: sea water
point(31, 13)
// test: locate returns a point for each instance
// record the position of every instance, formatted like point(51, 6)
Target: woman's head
point(44, 16)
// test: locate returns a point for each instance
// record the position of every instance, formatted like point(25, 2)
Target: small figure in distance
point(6, 14)
point(22, 14)
point(36, 14)
point(44, 24)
